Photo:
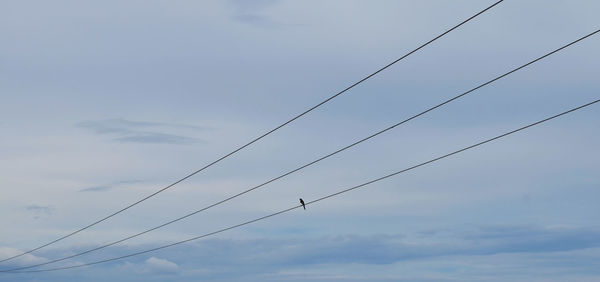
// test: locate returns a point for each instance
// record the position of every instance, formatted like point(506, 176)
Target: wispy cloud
point(252, 12)
point(96, 188)
point(109, 186)
point(154, 137)
point(142, 131)
point(39, 211)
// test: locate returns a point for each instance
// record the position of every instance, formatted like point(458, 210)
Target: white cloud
point(28, 259)
point(161, 265)
point(151, 266)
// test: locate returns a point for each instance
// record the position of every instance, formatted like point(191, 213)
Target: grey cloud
point(107, 187)
point(252, 12)
point(229, 259)
point(96, 189)
point(530, 239)
point(114, 125)
point(39, 211)
point(141, 131)
point(158, 138)
point(385, 249)
point(124, 125)
point(380, 249)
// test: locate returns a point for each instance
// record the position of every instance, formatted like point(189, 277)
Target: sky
point(105, 102)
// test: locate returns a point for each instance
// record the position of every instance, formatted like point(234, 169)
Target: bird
point(302, 202)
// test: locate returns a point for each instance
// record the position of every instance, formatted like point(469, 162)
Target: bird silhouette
point(302, 202)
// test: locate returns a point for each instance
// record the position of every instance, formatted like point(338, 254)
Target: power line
point(317, 200)
point(256, 139)
point(308, 164)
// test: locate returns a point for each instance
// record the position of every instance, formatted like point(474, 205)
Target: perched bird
point(302, 202)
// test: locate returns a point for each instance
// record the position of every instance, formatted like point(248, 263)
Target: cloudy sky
point(105, 102)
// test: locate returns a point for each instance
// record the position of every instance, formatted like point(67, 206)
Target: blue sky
point(105, 102)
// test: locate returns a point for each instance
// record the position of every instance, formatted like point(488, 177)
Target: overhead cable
point(313, 201)
point(254, 140)
point(308, 164)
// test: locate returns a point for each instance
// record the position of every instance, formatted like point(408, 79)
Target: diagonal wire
point(256, 139)
point(317, 200)
point(305, 165)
